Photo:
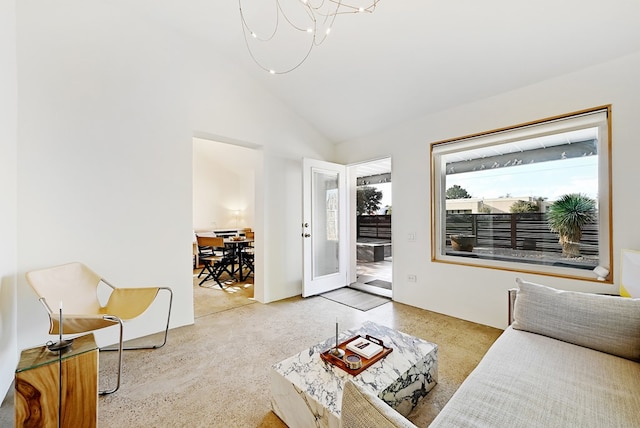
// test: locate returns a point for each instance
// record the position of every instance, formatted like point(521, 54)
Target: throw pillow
point(609, 324)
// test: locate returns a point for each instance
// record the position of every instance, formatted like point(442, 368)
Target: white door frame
point(260, 285)
point(352, 217)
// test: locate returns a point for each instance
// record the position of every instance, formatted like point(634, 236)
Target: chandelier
point(281, 34)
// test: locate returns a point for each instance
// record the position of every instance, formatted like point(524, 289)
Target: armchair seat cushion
point(129, 303)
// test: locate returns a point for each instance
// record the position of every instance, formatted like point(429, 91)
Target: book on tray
point(365, 348)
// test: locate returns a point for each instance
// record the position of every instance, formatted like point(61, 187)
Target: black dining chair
point(215, 257)
point(248, 254)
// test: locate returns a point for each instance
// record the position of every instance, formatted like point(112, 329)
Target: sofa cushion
point(362, 409)
point(609, 324)
point(530, 380)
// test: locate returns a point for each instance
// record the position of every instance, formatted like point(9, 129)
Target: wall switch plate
point(412, 278)
point(411, 237)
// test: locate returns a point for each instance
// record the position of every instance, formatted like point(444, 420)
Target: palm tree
point(567, 216)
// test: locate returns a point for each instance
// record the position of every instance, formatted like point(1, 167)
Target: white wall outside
point(479, 294)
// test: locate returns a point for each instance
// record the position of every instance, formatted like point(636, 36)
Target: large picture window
point(534, 197)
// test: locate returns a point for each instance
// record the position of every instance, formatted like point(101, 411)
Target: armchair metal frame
point(85, 313)
point(121, 346)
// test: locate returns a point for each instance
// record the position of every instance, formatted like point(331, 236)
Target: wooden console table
point(37, 384)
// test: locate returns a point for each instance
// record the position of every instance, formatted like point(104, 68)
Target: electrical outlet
point(411, 237)
point(412, 278)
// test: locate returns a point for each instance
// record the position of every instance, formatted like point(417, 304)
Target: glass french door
point(324, 227)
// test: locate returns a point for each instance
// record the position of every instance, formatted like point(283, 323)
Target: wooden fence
point(522, 231)
point(374, 226)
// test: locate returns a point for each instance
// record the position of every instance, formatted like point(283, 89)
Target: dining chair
point(248, 253)
point(77, 286)
point(215, 258)
point(203, 251)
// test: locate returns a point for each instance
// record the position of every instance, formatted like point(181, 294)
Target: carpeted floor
point(355, 299)
point(215, 373)
point(209, 298)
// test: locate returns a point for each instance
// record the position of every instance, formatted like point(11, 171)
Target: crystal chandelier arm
point(245, 26)
point(253, 35)
point(322, 15)
point(309, 12)
point(272, 71)
point(353, 9)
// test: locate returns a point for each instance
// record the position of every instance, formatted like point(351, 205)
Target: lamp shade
point(630, 266)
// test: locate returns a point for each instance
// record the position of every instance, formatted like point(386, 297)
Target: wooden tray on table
point(366, 362)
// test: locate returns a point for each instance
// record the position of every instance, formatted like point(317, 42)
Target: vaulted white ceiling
point(413, 57)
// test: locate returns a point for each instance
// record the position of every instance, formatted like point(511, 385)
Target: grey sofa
point(569, 359)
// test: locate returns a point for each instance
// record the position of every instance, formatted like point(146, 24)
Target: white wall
point(108, 107)
point(8, 188)
point(242, 112)
point(223, 185)
point(479, 294)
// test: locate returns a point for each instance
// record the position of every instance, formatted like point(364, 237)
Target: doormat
point(355, 298)
point(380, 283)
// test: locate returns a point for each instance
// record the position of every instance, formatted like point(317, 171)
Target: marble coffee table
point(307, 392)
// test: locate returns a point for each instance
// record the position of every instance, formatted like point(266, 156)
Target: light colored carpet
point(355, 298)
point(215, 373)
point(209, 298)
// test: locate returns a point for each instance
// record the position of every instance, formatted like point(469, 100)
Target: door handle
point(306, 235)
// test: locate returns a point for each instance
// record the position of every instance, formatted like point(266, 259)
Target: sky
point(546, 179)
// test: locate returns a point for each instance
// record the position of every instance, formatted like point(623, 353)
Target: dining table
point(236, 244)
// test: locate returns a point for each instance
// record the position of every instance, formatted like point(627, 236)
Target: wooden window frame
point(597, 116)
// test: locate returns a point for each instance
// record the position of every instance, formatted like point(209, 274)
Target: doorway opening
point(374, 251)
point(224, 206)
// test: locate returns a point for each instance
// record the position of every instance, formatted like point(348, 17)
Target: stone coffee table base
point(307, 392)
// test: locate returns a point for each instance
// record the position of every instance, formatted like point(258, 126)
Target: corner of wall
point(8, 195)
